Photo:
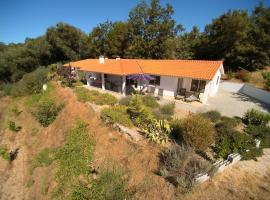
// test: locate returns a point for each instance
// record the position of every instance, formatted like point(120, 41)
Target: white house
point(170, 76)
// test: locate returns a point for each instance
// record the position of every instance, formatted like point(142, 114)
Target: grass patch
point(110, 185)
point(44, 158)
point(4, 152)
point(116, 114)
point(73, 159)
point(13, 127)
point(85, 95)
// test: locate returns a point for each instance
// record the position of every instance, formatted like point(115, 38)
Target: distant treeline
point(237, 37)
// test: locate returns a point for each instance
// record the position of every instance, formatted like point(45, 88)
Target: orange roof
point(198, 69)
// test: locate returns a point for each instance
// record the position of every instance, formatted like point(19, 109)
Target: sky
point(20, 19)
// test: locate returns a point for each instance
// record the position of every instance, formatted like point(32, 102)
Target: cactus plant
point(158, 131)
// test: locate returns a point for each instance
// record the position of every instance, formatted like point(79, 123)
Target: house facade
point(170, 76)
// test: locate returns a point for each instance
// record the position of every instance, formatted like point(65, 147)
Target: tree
point(151, 28)
point(66, 42)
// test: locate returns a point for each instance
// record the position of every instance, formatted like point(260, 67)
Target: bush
point(46, 112)
point(212, 115)
point(158, 131)
point(94, 96)
point(125, 100)
point(226, 127)
point(260, 132)
point(116, 114)
point(6, 88)
point(168, 109)
point(229, 74)
point(266, 77)
point(180, 166)
point(4, 152)
point(256, 118)
point(177, 129)
point(31, 83)
point(12, 126)
point(198, 132)
point(236, 143)
point(244, 75)
point(150, 101)
point(252, 154)
point(140, 114)
point(160, 116)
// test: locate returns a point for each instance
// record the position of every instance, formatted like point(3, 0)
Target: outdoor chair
point(192, 96)
point(181, 94)
point(160, 94)
point(151, 90)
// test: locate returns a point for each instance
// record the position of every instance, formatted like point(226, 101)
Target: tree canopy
point(241, 39)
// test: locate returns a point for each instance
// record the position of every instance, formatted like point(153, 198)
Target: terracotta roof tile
point(198, 69)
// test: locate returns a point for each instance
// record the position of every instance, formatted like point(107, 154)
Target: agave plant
point(158, 131)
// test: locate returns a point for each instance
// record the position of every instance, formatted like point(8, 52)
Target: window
point(197, 85)
point(156, 80)
point(217, 80)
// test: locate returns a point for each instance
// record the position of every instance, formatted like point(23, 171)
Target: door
point(180, 84)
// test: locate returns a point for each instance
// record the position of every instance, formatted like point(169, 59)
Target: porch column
point(124, 85)
point(102, 82)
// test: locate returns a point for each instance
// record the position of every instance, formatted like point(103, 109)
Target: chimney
point(117, 58)
point(101, 59)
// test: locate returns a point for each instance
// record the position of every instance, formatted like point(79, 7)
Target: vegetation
point(150, 101)
point(12, 126)
point(125, 100)
point(4, 152)
point(168, 109)
point(180, 166)
point(44, 158)
point(94, 96)
point(116, 114)
point(260, 132)
point(244, 75)
point(109, 185)
point(140, 114)
point(73, 159)
point(256, 117)
point(158, 131)
point(46, 112)
point(198, 132)
point(266, 77)
point(227, 126)
point(212, 115)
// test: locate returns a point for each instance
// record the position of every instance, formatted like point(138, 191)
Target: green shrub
point(125, 100)
point(73, 159)
point(256, 117)
point(260, 132)
point(150, 101)
point(226, 127)
point(116, 114)
point(31, 83)
point(266, 77)
point(212, 115)
point(168, 109)
point(198, 132)
point(252, 154)
point(94, 96)
point(158, 131)
point(4, 152)
point(179, 165)
point(46, 112)
point(12, 126)
point(6, 88)
point(244, 75)
point(177, 129)
point(140, 114)
point(160, 116)
point(230, 74)
point(110, 185)
point(235, 143)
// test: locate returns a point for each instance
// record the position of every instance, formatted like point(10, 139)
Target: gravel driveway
point(227, 103)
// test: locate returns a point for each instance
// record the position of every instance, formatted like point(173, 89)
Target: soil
point(138, 159)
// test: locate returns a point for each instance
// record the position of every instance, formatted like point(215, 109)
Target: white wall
point(214, 83)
